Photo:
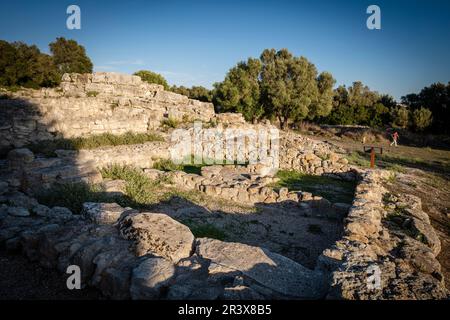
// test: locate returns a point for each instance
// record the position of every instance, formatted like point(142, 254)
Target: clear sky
point(195, 42)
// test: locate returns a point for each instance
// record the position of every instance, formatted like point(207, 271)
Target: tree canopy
point(240, 91)
point(436, 98)
point(69, 56)
point(25, 65)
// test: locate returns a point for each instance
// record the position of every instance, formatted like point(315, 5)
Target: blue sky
point(196, 42)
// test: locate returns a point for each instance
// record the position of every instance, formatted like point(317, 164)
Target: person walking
point(394, 139)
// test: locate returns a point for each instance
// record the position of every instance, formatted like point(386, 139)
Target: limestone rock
point(150, 277)
point(18, 211)
point(269, 269)
point(158, 234)
point(103, 213)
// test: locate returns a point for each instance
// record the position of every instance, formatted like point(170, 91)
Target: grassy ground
point(329, 188)
point(49, 147)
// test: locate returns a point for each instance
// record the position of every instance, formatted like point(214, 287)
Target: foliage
point(167, 165)
point(92, 93)
point(400, 116)
point(421, 119)
point(152, 77)
point(436, 98)
point(240, 91)
point(170, 122)
point(69, 56)
point(288, 85)
point(23, 65)
point(196, 92)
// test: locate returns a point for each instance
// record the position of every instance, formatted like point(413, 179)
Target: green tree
point(196, 92)
point(152, 77)
point(361, 95)
point(323, 106)
point(240, 91)
point(421, 118)
point(23, 65)
point(288, 85)
point(437, 99)
point(69, 56)
point(378, 115)
point(7, 64)
point(400, 116)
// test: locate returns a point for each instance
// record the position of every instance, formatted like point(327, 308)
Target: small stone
point(18, 212)
point(103, 213)
point(41, 210)
point(3, 187)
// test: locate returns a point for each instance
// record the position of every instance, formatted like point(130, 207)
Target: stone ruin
point(126, 253)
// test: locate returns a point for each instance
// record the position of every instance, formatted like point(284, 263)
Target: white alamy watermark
point(219, 145)
point(74, 19)
point(74, 280)
point(374, 20)
point(373, 277)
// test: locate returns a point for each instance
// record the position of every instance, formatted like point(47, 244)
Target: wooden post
point(372, 157)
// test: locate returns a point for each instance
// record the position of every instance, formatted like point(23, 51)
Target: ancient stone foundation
point(87, 104)
point(387, 249)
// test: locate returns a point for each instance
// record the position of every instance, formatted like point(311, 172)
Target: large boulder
point(270, 270)
point(157, 234)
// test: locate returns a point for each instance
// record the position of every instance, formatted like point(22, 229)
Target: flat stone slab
point(271, 270)
point(158, 234)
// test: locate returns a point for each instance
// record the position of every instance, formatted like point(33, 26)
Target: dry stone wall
point(86, 104)
point(388, 250)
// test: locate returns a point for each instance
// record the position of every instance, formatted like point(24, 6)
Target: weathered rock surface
point(268, 269)
point(157, 234)
point(150, 278)
point(103, 213)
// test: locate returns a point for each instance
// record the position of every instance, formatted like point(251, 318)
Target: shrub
point(92, 93)
point(170, 122)
point(167, 165)
point(421, 119)
point(400, 117)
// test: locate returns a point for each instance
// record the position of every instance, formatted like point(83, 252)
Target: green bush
point(170, 122)
point(167, 165)
point(92, 93)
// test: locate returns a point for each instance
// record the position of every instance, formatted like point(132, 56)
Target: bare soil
point(21, 279)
